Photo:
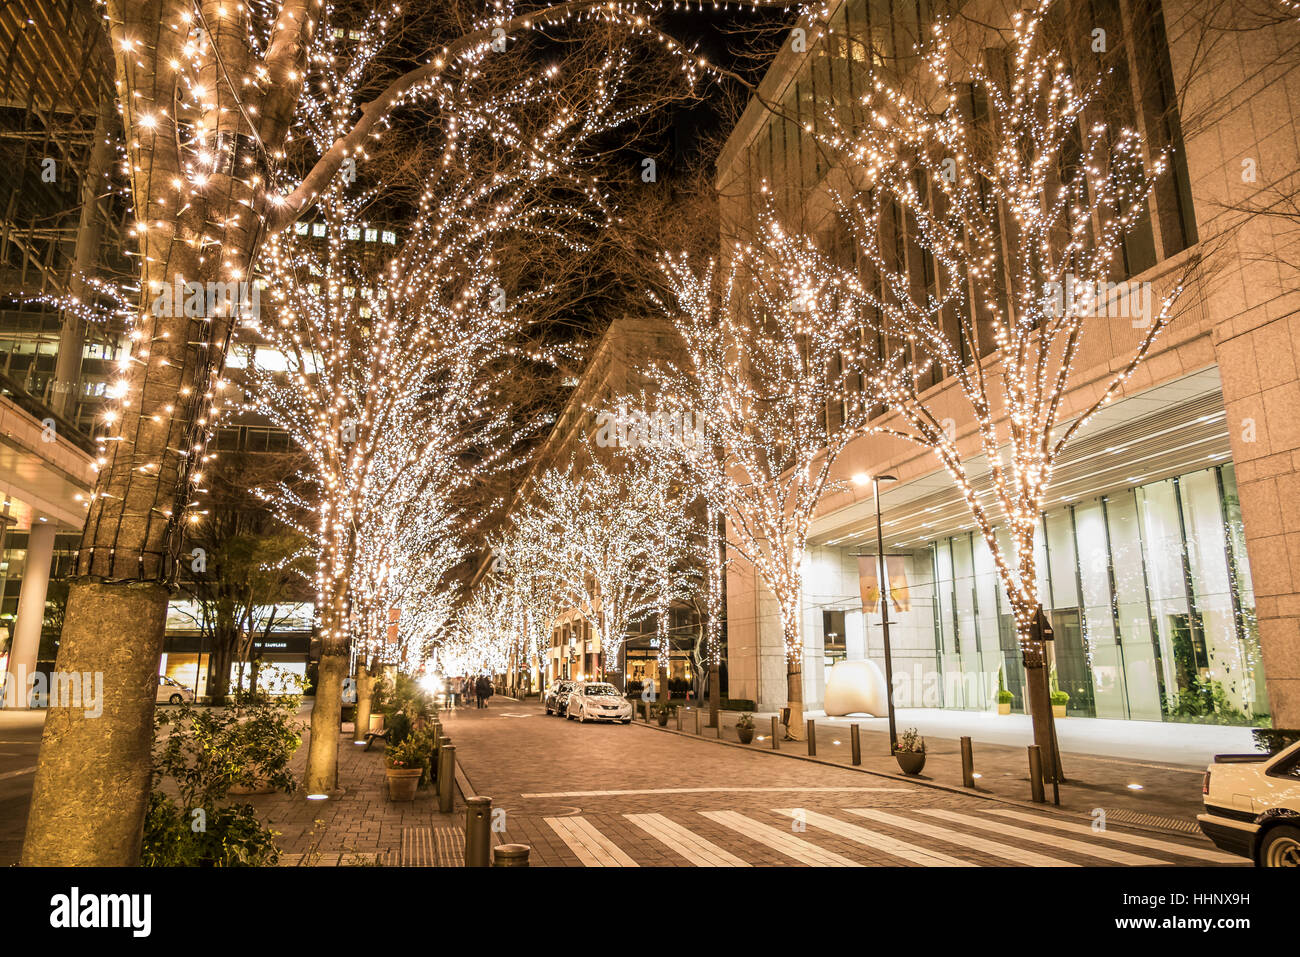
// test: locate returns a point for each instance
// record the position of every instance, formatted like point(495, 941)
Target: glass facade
point(1147, 588)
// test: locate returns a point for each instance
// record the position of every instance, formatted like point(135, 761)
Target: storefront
point(1148, 589)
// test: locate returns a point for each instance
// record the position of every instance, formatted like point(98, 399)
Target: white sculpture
point(856, 687)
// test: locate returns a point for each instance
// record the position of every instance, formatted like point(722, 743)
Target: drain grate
point(1181, 825)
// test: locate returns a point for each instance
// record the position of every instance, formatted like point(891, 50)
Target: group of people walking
point(461, 689)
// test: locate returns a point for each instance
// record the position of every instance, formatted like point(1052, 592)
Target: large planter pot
point(746, 735)
point(402, 783)
point(1004, 707)
point(1058, 710)
point(662, 718)
point(911, 762)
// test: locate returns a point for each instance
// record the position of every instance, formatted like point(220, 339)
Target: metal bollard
point(446, 776)
point(678, 715)
point(857, 745)
point(776, 746)
point(697, 721)
point(1036, 775)
point(967, 763)
point(510, 855)
point(478, 831)
point(812, 738)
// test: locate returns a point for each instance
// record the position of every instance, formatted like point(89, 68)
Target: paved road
point(20, 739)
point(613, 795)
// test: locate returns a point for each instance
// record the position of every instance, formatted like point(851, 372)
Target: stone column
point(31, 610)
point(90, 229)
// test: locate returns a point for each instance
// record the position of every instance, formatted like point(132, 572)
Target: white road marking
point(779, 840)
point(875, 839)
point(961, 839)
point(1092, 849)
point(562, 794)
point(1135, 840)
point(18, 773)
point(592, 848)
point(685, 842)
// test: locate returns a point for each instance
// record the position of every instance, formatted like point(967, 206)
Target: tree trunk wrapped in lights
point(208, 92)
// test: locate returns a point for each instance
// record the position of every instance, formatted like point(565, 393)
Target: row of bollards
point(1037, 792)
point(478, 839)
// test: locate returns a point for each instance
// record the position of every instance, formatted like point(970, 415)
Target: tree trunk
point(715, 693)
point(794, 729)
point(92, 779)
point(365, 686)
point(1038, 702)
point(219, 662)
point(322, 775)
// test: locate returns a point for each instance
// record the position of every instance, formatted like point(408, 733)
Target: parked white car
point(597, 701)
point(1252, 806)
point(171, 691)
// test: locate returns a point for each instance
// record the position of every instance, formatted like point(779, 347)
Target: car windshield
point(595, 691)
point(565, 686)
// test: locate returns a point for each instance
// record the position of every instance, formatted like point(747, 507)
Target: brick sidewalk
point(359, 825)
point(1169, 797)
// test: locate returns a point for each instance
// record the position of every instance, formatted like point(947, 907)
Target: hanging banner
point(393, 615)
point(869, 582)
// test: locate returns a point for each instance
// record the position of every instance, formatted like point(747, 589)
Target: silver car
point(597, 701)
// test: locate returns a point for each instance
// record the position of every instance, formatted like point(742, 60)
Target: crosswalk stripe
point(685, 842)
point(1135, 840)
point(591, 847)
point(779, 840)
point(875, 839)
point(971, 841)
point(1092, 849)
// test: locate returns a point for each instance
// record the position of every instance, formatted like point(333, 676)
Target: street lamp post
point(884, 610)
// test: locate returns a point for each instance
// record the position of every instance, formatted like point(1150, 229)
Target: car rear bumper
point(1235, 837)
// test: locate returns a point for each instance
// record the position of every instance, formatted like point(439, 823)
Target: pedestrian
point(481, 689)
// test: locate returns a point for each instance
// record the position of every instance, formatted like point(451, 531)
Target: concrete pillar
point(31, 609)
point(90, 229)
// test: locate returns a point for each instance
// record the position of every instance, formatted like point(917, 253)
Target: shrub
point(911, 741)
point(411, 752)
point(204, 754)
point(745, 721)
point(229, 836)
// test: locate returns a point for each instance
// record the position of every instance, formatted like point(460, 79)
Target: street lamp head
point(886, 478)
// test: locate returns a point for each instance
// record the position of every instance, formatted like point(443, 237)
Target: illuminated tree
point(771, 345)
point(208, 91)
point(988, 251)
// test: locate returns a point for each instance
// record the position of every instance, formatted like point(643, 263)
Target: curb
point(951, 789)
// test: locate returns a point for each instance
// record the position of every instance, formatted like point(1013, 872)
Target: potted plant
point(1059, 698)
point(662, 713)
point(1005, 697)
point(910, 751)
point(745, 728)
point(406, 761)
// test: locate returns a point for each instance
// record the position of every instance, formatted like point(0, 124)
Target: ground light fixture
point(317, 797)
